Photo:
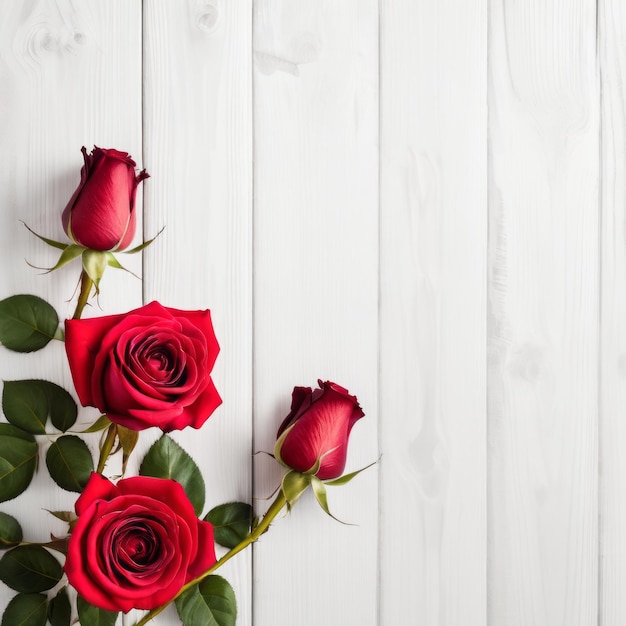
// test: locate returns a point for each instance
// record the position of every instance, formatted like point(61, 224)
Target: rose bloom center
point(135, 546)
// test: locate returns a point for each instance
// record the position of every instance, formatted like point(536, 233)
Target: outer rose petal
point(97, 488)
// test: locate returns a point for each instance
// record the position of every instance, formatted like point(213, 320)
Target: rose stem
point(107, 446)
point(85, 288)
point(264, 524)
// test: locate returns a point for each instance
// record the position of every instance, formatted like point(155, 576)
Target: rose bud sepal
point(293, 485)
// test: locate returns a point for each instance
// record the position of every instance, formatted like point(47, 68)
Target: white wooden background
point(423, 200)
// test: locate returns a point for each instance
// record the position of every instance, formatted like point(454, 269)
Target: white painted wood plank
point(612, 56)
point(316, 264)
point(433, 312)
point(543, 313)
point(70, 75)
point(198, 148)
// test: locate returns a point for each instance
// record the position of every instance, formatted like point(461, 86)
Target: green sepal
point(94, 264)
point(143, 245)
point(89, 615)
point(342, 480)
point(71, 252)
point(231, 522)
point(10, 531)
point(211, 602)
point(113, 262)
point(50, 242)
point(100, 424)
point(293, 485)
point(128, 439)
point(320, 495)
point(27, 609)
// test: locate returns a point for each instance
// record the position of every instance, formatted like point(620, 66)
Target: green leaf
point(294, 485)
point(231, 522)
point(18, 460)
point(69, 462)
point(30, 569)
point(26, 609)
point(166, 459)
point(100, 424)
point(27, 323)
point(89, 615)
point(60, 610)
point(27, 404)
point(10, 531)
point(210, 603)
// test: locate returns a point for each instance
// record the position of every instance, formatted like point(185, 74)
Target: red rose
point(136, 543)
point(317, 429)
point(148, 367)
point(101, 213)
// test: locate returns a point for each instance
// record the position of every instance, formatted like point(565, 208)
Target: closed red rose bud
point(101, 213)
point(317, 430)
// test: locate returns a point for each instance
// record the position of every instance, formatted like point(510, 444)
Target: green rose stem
point(263, 525)
point(85, 289)
point(107, 446)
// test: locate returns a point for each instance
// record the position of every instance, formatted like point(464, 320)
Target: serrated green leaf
point(231, 522)
point(100, 424)
point(89, 615)
point(18, 460)
point(166, 459)
point(294, 484)
point(28, 403)
point(60, 610)
point(26, 609)
point(30, 569)
point(212, 602)
point(69, 462)
point(27, 323)
point(10, 531)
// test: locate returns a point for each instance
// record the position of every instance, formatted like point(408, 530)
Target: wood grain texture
point(71, 76)
point(433, 314)
point(543, 313)
point(612, 57)
point(316, 289)
point(198, 148)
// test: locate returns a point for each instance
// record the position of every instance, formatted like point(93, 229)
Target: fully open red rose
point(148, 367)
point(317, 429)
point(101, 213)
point(136, 543)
